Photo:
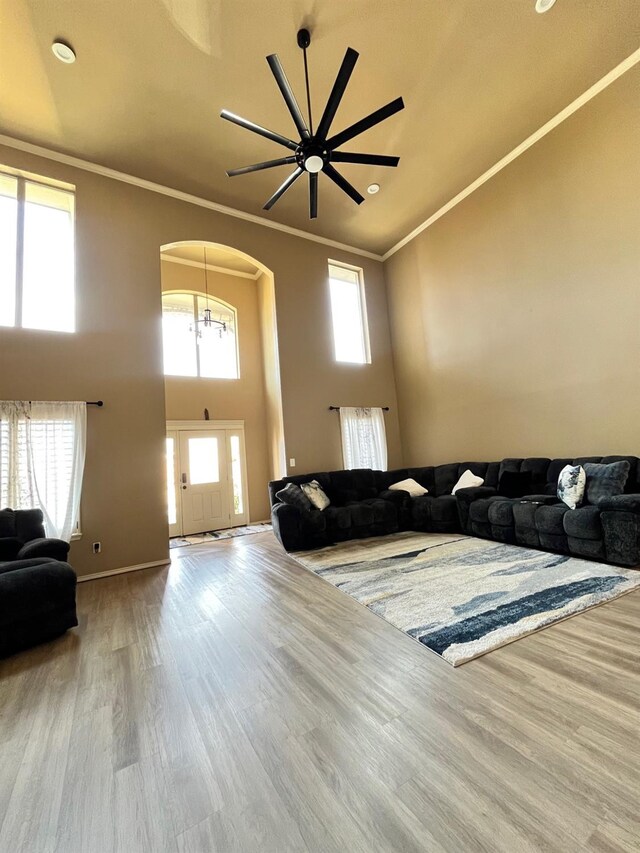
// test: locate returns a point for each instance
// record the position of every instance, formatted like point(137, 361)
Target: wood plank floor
point(236, 702)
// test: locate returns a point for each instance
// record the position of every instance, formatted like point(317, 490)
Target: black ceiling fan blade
point(257, 167)
point(365, 123)
point(261, 131)
point(287, 94)
point(364, 159)
point(343, 183)
point(313, 195)
point(348, 64)
point(284, 186)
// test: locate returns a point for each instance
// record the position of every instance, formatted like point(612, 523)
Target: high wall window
point(191, 348)
point(349, 314)
point(37, 264)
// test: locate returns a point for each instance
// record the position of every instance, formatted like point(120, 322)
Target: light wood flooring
point(236, 702)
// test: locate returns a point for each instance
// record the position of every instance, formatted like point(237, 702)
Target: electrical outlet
point(97, 547)
point(292, 463)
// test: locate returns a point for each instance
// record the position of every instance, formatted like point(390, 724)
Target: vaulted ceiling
point(152, 76)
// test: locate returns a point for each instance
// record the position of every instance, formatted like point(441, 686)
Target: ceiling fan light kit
point(316, 151)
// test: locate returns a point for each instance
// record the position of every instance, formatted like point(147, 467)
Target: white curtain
point(42, 452)
point(364, 441)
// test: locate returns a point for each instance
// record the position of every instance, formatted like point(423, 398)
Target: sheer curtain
point(42, 452)
point(364, 441)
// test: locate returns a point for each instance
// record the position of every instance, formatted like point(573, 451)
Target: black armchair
point(37, 602)
point(22, 537)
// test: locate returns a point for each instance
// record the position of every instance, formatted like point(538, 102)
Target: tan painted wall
point(516, 317)
point(228, 399)
point(116, 353)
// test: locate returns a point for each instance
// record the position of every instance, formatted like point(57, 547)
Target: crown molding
point(200, 265)
point(87, 166)
point(564, 114)
point(123, 177)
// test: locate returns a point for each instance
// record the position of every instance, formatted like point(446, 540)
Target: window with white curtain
point(364, 441)
point(37, 255)
point(42, 452)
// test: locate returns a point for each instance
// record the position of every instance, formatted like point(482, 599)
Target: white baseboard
point(123, 570)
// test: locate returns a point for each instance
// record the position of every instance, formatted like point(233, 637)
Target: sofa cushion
point(571, 485)
point(383, 479)
point(515, 484)
point(446, 476)
point(293, 495)
point(549, 519)
point(501, 512)
point(425, 476)
point(467, 480)
point(409, 485)
point(444, 510)
point(316, 495)
point(632, 486)
point(384, 512)
point(352, 485)
point(583, 523)
point(361, 514)
point(338, 517)
point(604, 481)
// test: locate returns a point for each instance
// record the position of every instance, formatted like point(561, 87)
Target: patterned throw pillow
point(414, 488)
point(467, 481)
point(315, 494)
point(571, 485)
point(605, 480)
point(294, 496)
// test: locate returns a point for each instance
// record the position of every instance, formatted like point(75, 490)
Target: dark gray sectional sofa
point(362, 505)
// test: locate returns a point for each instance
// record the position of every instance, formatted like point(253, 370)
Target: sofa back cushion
point(357, 484)
point(23, 524)
point(384, 479)
point(604, 480)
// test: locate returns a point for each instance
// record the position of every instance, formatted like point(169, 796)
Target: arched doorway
point(222, 380)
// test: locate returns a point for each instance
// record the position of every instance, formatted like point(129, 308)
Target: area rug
point(214, 535)
point(462, 597)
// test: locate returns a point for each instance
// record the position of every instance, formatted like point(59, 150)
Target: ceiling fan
point(316, 151)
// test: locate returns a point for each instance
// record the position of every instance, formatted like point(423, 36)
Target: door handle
point(183, 479)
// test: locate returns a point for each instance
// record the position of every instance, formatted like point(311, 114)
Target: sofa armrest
point(299, 530)
point(474, 493)
point(622, 503)
point(9, 547)
point(58, 549)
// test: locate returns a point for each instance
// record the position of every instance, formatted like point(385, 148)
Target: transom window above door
point(192, 348)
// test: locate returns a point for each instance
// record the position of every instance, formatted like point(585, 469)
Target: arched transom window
point(190, 347)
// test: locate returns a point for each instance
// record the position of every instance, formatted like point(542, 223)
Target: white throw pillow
point(467, 481)
point(314, 492)
point(410, 485)
point(571, 485)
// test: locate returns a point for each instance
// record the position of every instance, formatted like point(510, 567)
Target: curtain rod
point(88, 402)
point(337, 408)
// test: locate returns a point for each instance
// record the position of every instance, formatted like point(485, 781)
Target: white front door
point(204, 481)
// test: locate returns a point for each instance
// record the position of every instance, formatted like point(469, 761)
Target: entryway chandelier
point(207, 320)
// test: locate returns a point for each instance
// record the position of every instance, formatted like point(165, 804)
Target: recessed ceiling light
point(372, 189)
point(63, 52)
point(544, 5)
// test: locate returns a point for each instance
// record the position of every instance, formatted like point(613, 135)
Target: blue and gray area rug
point(462, 597)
